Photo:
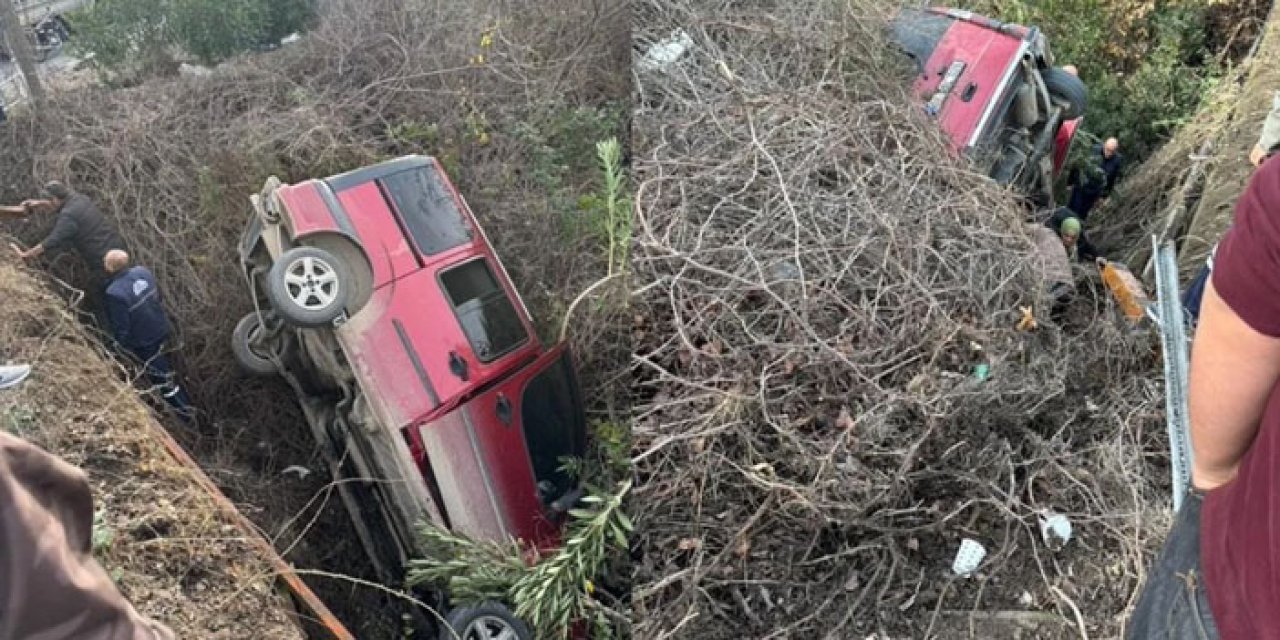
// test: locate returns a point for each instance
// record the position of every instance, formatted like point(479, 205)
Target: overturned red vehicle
point(994, 90)
point(381, 301)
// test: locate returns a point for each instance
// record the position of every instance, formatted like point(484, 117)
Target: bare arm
point(18, 211)
point(1234, 369)
point(33, 252)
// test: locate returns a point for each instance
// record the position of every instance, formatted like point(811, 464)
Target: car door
point(498, 457)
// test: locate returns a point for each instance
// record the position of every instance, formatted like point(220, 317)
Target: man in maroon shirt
point(1219, 573)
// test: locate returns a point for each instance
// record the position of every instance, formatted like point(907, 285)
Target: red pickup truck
point(993, 89)
point(382, 303)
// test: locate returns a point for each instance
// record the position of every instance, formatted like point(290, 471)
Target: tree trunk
point(20, 49)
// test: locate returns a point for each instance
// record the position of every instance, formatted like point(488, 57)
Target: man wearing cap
point(79, 225)
point(1071, 231)
point(139, 324)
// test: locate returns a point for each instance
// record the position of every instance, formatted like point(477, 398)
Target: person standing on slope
point(139, 324)
point(1219, 572)
point(79, 225)
point(1094, 178)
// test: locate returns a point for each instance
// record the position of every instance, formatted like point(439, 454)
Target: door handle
point(503, 409)
point(458, 366)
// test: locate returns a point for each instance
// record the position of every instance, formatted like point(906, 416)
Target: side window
point(428, 209)
point(484, 310)
point(553, 426)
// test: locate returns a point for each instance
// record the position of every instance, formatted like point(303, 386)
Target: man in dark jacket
point(139, 324)
point(1070, 229)
point(1094, 179)
point(79, 225)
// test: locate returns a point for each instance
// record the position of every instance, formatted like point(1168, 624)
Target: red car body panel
point(378, 232)
point(475, 442)
point(408, 349)
point(308, 213)
point(989, 57)
point(1062, 144)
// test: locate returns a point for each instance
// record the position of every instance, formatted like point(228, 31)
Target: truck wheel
point(308, 286)
point(487, 621)
point(1068, 90)
point(249, 355)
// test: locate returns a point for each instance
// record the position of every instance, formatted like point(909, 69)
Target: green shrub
point(138, 37)
point(555, 591)
point(1145, 63)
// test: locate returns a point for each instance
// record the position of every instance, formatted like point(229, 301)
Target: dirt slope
point(1202, 169)
point(1230, 168)
point(164, 540)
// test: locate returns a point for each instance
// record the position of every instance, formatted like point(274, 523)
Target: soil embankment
point(1230, 168)
point(1188, 189)
point(174, 552)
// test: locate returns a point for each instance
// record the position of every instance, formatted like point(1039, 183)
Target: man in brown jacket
point(51, 588)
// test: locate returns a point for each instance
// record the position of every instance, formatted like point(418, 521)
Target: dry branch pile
point(164, 540)
point(817, 284)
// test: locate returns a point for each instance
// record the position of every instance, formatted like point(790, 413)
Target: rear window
point(484, 310)
point(918, 33)
point(429, 210)
point(553, 429)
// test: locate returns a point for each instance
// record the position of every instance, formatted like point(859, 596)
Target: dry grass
point(817, 282)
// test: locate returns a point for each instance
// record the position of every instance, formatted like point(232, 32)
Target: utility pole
point(20, 49)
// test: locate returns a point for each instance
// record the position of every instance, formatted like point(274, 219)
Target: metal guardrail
point(1173, 341)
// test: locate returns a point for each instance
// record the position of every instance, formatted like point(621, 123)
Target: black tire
point(309, 287)
point(469, 623)
point(1068, 90)
point(242, 346)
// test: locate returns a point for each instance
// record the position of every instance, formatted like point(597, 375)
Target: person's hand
point(1257, 155)
point(1100, 261)
point(35, 204)
point(18, 250)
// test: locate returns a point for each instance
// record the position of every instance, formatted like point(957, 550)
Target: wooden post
point(20, 49)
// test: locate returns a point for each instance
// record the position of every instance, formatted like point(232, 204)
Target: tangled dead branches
point(818, 282)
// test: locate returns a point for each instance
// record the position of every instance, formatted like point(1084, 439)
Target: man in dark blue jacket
point(1093, 179)
point(139, 324)
point(79, 225)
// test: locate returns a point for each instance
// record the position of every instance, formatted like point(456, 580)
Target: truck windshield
point(551, 412)
point(484, 310)
point(428, 209)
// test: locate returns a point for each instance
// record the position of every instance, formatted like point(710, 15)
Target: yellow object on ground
point(1126, 289)
point(1028, 321)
